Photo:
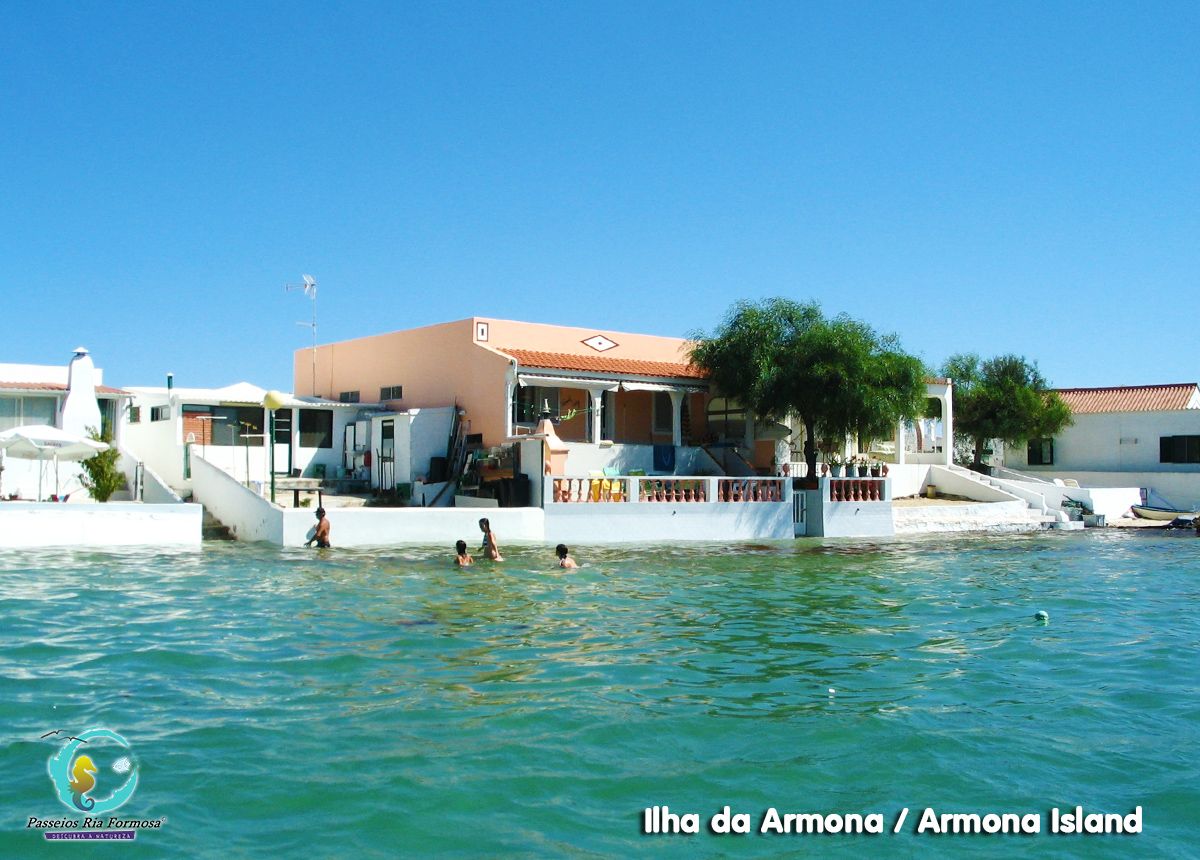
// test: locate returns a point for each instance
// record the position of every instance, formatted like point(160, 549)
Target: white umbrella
point(41, 442)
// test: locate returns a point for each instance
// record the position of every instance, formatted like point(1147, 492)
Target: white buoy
point(832, 691)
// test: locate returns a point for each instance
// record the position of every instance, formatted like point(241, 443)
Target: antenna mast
point(310, 289)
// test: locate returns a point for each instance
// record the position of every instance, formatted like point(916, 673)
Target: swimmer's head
point(320, 513)
point(460, 547)
point(561, 549)
point(484, 525)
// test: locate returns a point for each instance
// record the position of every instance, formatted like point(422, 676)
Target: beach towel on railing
point(664, 458)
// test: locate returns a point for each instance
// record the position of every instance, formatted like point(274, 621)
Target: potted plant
point(837, 465)
point(876, 468)
point(863, 468)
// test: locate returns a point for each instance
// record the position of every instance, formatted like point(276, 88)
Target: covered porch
point(614, 421)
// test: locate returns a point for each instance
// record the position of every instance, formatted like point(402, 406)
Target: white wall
point(825, 518)
point(1094, 443)
point(154, 489)
point(908, 479)
point(988, 517)
point(654, 523)
point(1112, 502)
point(429, 434)
point(92, 524)
point(388, 526)
point(249, 516)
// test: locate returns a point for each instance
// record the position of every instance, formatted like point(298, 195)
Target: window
point(135, 414)
point(316, 428)
point(391, 392)
point(664, 413)
point(1041, 452)
point(108, 416)
point(160, 413)
point(348, 397)
point(1179, 449)
point(19, 411)
point(531, 400)
point(235, 426)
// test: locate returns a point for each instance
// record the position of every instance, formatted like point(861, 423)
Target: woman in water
point(491, 549)
point(462, 557)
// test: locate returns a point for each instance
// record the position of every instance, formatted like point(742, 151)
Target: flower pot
point(863, 471)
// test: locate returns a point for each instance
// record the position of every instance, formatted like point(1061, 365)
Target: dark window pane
point(316, 428)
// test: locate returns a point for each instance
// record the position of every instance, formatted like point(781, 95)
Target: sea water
point(387, 703)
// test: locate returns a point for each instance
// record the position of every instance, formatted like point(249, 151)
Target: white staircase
point(1039, 510)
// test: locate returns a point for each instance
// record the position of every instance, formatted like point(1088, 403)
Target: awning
point(568, 382)
point(658, 386)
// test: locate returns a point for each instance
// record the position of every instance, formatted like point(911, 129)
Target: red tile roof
point(603, 364)
point(1130, 398)
point(53, 386)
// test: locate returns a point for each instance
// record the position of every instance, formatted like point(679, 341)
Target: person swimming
point(462, 558)
point(564, 559)
point(491, 549)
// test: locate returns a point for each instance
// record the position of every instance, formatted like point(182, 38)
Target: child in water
point(462, 558)
point(564, 560)
point(491, 549)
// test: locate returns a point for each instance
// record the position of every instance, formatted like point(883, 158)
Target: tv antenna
point(310, 289)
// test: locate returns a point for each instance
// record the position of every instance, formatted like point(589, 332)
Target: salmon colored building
point(607, 386)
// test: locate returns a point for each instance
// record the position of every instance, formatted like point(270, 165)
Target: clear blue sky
point(991, 177)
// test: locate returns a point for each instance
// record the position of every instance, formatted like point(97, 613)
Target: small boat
point(1149, 512)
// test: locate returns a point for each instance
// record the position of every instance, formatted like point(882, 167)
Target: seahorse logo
point(74, 772)
point(83, 780)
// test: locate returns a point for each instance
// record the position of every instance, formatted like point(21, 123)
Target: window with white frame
point(531, 400)
point(19, 411)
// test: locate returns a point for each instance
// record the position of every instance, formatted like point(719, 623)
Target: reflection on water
point(520, 708)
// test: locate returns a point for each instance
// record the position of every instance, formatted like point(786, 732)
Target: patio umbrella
point(41, 442)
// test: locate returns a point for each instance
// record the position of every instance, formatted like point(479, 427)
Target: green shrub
point(101, 475)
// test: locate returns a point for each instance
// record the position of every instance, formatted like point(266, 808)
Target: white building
point(343, 445)
point(1146, 436)
point(37, 394)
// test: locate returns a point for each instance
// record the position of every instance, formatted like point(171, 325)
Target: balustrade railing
point(675, 490)
point(857, 489)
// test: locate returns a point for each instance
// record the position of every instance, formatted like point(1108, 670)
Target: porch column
point(508, 405)
point(948, 428)
point(900, 458)
point(597, 397)
point(676, 417)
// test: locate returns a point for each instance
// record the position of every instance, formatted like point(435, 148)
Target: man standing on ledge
point(321, 533)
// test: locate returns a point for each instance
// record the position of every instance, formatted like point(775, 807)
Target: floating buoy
point(832, 691)
point(1042, 615)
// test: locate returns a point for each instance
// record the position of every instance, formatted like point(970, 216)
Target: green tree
point(779, 357)
point(102, 477)
point(1003, 398)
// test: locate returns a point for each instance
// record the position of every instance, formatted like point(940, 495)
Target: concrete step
point(213, 529)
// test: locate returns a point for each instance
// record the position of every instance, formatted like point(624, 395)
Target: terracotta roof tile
point(603, 364)
point(53, 386)
point(1131, 398)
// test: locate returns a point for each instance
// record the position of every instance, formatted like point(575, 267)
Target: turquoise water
point(389, 704)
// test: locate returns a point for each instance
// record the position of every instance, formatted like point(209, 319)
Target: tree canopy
point(1003, 398)
point(779, 356)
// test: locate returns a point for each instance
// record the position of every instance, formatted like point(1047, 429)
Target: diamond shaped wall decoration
point(600, 343)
